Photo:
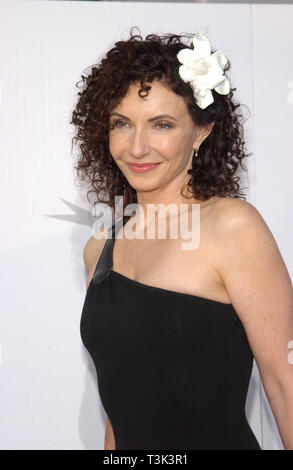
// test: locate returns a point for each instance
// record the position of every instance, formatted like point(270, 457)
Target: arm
point(261, 292)
point(109, 443)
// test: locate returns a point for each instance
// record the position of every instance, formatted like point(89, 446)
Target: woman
point(173, 332)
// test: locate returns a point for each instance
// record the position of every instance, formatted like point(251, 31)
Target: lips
point(142, 167)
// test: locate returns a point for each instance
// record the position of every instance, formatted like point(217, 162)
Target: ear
point(203, 133)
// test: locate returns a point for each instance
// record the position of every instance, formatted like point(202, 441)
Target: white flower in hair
point(203, 70)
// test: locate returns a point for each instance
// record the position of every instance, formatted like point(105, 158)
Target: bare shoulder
point(232, 212)
point(238, 228)
point(93, 249)
point(244, 241)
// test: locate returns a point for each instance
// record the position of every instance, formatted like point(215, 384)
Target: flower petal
point(204, 101)
point(185, 56)
point(186, 73)
point(199, 86)
point(214, 65)
point(224, 87)
point(201, 67)
point(219, 58)
point(202, 45)
point(214, 78)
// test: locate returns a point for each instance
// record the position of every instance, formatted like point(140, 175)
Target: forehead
point(159, 98)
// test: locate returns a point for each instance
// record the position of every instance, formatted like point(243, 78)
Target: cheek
point(116, 146)
point(169, 148)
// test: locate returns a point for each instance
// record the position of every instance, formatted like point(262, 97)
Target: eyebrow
point(160, 116)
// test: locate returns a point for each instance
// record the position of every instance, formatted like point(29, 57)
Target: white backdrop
point(49, 395)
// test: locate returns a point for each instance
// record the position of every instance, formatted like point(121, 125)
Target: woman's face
point(140, 136)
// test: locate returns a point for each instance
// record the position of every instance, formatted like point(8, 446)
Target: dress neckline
point(122, 277)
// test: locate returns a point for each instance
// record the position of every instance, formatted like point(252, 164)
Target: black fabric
point(173, 369)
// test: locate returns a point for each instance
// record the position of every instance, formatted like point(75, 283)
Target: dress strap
point(105, 261)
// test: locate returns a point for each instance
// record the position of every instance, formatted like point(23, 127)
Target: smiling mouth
point(142, 165)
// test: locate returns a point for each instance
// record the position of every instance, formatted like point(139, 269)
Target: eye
point(119, 122)
point(165, 124)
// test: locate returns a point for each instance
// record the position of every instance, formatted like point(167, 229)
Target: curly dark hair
point(154, 58)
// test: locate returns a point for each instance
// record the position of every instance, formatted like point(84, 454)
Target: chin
point(142, 185)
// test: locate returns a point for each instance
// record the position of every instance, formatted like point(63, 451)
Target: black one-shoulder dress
point(173, 369)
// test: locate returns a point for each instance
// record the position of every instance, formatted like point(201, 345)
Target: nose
point(139, 146)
